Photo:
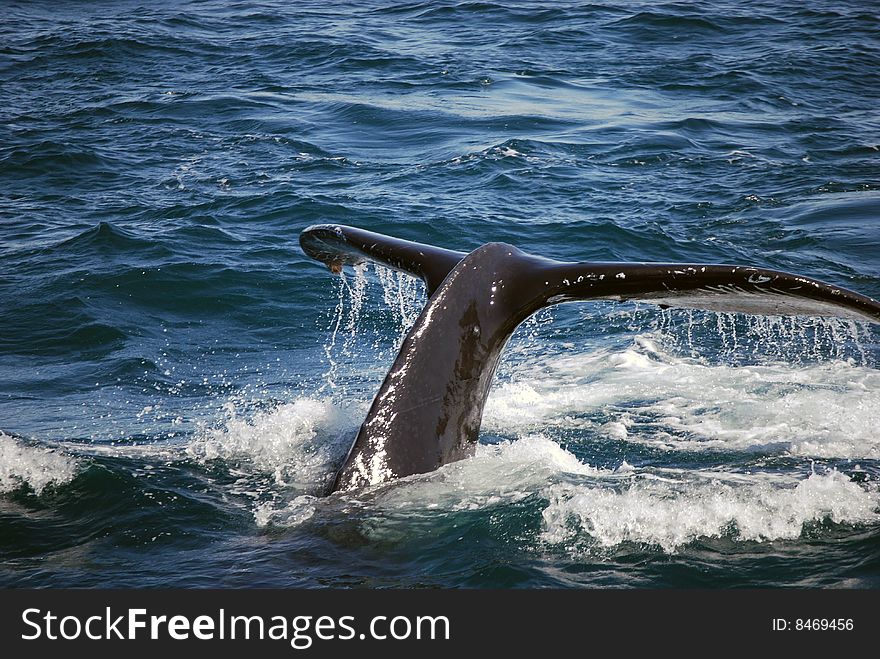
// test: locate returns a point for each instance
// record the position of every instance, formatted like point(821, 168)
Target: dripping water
point(368, 323)
point(344, 324)
point(737, 339)
point(404, 297)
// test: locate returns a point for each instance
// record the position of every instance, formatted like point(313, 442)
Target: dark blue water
point(178, 381)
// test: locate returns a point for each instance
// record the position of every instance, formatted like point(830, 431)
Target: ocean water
point(178, 381)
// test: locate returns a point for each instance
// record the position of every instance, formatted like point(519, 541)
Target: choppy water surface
point(178, 381)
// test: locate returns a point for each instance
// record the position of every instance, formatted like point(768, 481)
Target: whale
point(428, 410)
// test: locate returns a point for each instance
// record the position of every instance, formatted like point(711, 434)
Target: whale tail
point(337, 245)
point(428, 411)
point(728, 288)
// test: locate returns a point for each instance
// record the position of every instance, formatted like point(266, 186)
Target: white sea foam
point(646, 395)
point(298, 443)
point(292, 513)
point(671, 512)
point(32, 466)
point(497, 473)
point(585, 507)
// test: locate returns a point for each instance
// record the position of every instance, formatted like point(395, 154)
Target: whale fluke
point(337, 245)
point(429, 408)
